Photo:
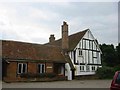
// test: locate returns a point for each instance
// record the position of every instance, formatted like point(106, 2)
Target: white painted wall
point(87, 56)
point(68, 71)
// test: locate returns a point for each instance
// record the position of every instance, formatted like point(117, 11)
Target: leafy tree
point(118, 53)
point(109, 56)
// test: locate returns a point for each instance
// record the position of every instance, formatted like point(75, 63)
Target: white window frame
point(82, 68)
point(93, 68)
point(40, 68)
point(22, 68)
point(80, 52)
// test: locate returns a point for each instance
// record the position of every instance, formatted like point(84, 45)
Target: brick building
point(59, 57)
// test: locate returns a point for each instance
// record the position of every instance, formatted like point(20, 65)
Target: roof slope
point(73, 40)
point(20, 50)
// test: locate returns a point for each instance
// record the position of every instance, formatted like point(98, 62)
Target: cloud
point(34, 22)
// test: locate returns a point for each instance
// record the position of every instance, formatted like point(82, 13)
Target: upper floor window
point(41, 68)
point(22, 68)
point(80, 52)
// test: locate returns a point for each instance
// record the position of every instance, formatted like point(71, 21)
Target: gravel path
point(61, 84)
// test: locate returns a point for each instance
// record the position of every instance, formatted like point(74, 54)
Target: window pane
point(19, 68)
point(24, 68)
point(118, 79)
point(42, 68)
point(38, 68)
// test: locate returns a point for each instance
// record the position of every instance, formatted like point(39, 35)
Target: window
point(80, 52)
point(81, 68)
point(41, 68)
point(93, 68)
point(118, 79)
point(22, 68)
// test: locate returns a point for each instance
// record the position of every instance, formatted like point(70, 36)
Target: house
point(83, 50)
point(70, 56)
point(19, 57)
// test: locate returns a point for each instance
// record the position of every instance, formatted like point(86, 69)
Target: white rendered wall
point(68, 71)
point(87, 56)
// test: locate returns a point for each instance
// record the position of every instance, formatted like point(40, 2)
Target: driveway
point(61, 84)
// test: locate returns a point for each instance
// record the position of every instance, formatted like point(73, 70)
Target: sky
point(34, 21)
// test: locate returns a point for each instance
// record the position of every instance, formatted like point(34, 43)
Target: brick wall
point(31, 67)
point(12, 69)
point(49, 67)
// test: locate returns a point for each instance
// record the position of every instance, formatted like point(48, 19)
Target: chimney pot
point(51, 38)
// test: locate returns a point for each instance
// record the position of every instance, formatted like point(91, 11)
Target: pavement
point(60, 84)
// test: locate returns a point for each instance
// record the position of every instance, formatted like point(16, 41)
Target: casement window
point(41, 68)
point(22, 68)
point(80, 52)
point(93, 68)
point(81, 68)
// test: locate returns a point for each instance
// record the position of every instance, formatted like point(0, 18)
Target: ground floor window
point(93, 68)
point(41, 68)
point(81, 68)
point(22, 68)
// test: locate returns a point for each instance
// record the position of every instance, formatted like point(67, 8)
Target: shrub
point(105, 73)
point(116, 68)
point(40, 75)
point(50, 75)
point(27, 75)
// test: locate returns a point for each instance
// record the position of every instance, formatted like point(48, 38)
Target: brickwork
point(32, 67)
point(12, 69)
point(49, 67)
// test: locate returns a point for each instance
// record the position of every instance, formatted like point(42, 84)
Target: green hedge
point(38, 75)
point(105, 73)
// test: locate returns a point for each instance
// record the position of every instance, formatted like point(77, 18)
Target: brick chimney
point(51, 38)
point(65, 42)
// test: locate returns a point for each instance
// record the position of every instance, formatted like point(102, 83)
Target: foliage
point(110, 55)
point(51, 75)
point(27, 75)
point(105, 73)
point(38, 75)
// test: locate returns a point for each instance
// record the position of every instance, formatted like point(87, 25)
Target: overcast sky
point(35, 21)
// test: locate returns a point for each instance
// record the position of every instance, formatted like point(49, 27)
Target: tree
point(109, 56)
point(118, 53)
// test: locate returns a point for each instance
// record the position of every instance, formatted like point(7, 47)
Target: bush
point(27, 75)
point(116, 68)
point(39, 75)
point(51, 75)
point(105, 73)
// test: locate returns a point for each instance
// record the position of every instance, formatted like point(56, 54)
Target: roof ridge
point(79, 32)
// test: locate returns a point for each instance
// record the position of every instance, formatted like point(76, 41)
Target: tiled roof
point(21, 50)
point(48, 52)
point(73, 40)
